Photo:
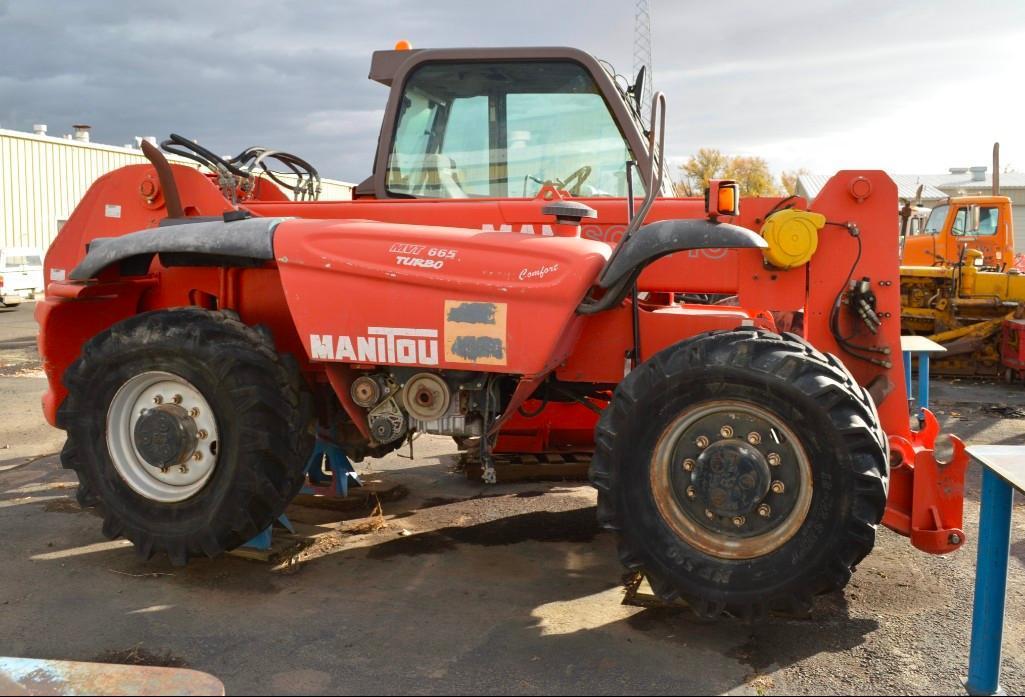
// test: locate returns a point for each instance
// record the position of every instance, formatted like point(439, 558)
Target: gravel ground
point(462, 588)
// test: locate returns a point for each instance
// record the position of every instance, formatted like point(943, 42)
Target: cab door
point(921, 247)
point(977, 226)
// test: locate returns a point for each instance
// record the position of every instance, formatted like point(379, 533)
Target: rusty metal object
point(30, 676)
point(166, 177)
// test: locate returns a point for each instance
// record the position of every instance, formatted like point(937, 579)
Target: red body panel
point(338, 276)
point(444, 298)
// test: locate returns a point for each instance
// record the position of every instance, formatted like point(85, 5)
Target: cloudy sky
point(915, 86)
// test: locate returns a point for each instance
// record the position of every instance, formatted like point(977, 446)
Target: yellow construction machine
point(959, 282)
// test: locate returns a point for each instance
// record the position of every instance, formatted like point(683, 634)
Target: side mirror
point(722, 197)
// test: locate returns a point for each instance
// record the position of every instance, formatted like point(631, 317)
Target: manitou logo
point(381, 345)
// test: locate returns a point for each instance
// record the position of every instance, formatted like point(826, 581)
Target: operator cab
point(502, 123)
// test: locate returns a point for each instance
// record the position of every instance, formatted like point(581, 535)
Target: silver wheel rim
point(686, 526)
point(180, 481)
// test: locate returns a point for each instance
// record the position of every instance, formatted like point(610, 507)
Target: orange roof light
point(402, 45)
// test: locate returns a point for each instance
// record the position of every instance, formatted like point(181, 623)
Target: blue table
point(1003, 472)
point(919, 347)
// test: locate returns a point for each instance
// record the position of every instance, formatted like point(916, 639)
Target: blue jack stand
point(262, 542)
point(328, 465)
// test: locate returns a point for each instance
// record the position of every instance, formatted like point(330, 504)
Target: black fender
point(656, 240)
point(244, 241)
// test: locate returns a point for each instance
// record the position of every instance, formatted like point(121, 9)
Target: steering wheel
point(579, 176)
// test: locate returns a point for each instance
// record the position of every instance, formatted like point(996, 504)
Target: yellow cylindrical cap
point(793, 237)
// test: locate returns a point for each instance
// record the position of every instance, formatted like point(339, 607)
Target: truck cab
point(964, 222)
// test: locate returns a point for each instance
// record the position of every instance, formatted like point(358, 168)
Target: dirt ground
point(465, 588)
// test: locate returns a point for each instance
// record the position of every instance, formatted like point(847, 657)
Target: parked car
point(21, 275)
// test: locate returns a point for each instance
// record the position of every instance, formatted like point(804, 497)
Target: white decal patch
point(112, 210)
point(398, 346)
point(58, 274)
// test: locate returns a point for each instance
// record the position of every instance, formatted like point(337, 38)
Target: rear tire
point(251, 438)
point(670, 427)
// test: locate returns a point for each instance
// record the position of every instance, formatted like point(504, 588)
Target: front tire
point(187, 429)
point(744, 472)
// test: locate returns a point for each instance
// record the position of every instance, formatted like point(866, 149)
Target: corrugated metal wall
point(43, 178)
point(1019, 228)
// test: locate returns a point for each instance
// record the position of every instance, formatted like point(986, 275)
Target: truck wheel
point(744, 472)
point(187, 429)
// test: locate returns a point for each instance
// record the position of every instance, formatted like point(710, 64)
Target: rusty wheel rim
point(731, 479)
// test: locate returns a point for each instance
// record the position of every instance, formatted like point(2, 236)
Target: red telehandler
point(510, 270)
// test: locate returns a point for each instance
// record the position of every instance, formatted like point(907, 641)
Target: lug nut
point(158, 400)
point(194, 412)
point(777, 487)
point(691, 493)
point(773, 459)
point(202, 434)
point(702, 442)
point(197, 455)
point(177, 399)
point(754, 437)
point(709, 514)
point(739, 521)
point(184, 469)
point(726, 431)
point(954, 538)
point(688, 465)
point(764, 510)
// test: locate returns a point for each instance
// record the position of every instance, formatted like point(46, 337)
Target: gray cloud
point(293, 76)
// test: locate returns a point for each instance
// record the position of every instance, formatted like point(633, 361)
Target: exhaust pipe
point(996, 169)
point(171, 197)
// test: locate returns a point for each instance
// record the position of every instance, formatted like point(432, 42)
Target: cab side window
point(988, 219)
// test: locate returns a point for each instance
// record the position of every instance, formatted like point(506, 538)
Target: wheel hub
point(731, 477)
point(165, 436)
point(162, 436)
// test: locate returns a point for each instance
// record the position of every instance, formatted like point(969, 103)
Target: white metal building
point(42, 179)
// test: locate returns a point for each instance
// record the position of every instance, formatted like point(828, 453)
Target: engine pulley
point(426, 397)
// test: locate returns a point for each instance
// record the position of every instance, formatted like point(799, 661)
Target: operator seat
point(438, 178)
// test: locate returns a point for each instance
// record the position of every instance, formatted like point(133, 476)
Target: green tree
point(753, 176)
point(751, 173)
point(707, 163)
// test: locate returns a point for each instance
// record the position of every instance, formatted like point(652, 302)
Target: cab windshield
point(936, 219)
point(504, 129)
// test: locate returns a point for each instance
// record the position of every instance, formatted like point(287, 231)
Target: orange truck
point(964, 222)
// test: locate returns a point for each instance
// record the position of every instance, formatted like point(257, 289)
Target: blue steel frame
point(990, 585)
point(923, 376)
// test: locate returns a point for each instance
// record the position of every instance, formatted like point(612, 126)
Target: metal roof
point(809, 186)
point(949, 182)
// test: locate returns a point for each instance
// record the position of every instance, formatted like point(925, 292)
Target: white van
point(21, 275)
